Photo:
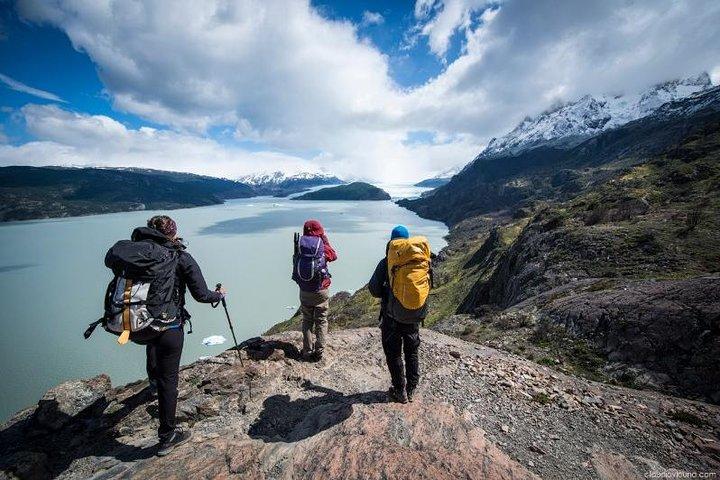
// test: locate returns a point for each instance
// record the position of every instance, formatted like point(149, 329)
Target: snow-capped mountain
point(276, 178)
point(280, 184)
point(573, 122)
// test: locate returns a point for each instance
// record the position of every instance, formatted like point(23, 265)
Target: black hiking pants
point(163, 364)
point(398, 339)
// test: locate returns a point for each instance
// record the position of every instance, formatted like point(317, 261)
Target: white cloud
point(68, 138)
point(441, 19)
point(278, 73)
point(21, 87)
point(521, 59)
point(372, 18)
point(715, 75)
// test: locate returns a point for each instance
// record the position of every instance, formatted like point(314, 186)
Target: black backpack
point(142, 293)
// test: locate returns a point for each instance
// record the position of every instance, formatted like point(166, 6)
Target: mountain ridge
point(491, 183)
point(51, 192)
point(574, 121)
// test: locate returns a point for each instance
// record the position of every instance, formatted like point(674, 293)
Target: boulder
point(61, 403)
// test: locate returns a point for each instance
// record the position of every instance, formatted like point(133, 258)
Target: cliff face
point(480, 413)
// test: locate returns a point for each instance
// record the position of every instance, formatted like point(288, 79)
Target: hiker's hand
point(223, 291)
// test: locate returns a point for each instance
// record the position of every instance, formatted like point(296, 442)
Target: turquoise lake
point(52, 281)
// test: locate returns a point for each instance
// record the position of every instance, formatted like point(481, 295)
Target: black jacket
point(379, 284)
point(390, 307)
point(188, 275)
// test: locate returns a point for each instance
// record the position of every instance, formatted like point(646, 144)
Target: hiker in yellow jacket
point(402, 280)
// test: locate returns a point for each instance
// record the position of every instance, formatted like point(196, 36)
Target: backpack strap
point(127, 295)
point(91, 328)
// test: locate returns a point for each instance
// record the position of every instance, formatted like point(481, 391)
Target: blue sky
point(382, 90)
point(43, 57)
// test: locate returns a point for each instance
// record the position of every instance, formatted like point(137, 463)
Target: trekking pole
point(224, 304)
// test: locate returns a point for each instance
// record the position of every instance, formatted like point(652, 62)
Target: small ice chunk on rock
point(214, 340)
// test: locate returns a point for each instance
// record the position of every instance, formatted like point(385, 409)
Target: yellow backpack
point(408, 262)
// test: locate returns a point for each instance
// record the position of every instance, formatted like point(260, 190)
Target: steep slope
point(480, 413)
point(46, 192)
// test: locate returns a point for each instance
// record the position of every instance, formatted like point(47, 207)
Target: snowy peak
point(569, 123)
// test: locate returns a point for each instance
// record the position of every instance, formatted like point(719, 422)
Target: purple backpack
point(309, 265)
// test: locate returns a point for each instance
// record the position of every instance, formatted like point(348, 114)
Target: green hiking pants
point(314, 308)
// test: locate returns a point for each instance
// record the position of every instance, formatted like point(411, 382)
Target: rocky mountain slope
point(351, 191)
point(47, 192)
point(480, 413)
point(280, 184)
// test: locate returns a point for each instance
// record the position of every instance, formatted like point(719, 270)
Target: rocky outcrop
point(669, 330)
point(479, 413)
point(67, 400)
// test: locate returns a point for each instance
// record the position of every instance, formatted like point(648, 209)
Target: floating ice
point(214, 340)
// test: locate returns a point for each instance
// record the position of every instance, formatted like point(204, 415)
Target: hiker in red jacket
point(313, 252)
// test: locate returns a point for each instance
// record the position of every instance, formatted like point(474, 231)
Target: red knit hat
point(164, 225)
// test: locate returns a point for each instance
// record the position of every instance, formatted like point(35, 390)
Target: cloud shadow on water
point(19, 266)
point(334, 221)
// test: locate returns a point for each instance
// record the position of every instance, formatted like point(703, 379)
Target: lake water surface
point(52, 281)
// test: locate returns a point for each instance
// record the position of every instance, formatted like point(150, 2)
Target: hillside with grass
point(49, 192)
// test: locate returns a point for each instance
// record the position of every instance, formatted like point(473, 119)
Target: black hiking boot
point(398, 397)
point(316, 356)
point(410, 394)
point(175, 439)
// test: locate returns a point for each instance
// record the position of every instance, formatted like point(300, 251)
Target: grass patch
point(547, 361)
point(686, 417)
point(541, 398)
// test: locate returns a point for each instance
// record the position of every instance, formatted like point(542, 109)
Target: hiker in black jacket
point(164, 348)
point(398, 337)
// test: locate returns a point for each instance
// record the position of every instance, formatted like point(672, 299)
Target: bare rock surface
point(479, 413)
point(670, 328)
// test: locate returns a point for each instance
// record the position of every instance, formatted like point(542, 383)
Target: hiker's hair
point(164, 225)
